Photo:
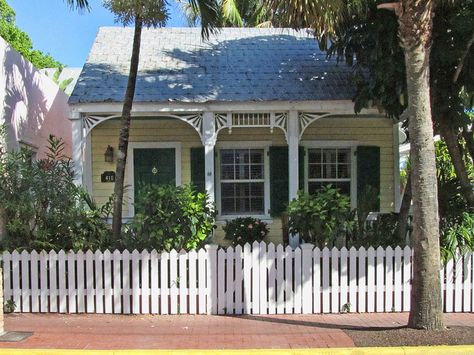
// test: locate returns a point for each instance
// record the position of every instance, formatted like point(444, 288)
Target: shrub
point(319, 218)
point(42, 207)
point(457, 234)
point(245, 230)
point(170, 217)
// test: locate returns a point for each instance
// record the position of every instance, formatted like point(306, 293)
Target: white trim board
point(130, 167)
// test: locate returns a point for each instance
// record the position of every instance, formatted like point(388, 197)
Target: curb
point(398, 350)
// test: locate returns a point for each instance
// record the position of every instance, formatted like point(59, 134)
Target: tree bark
point(125, 131)
point(451, 140)
point(405, 209)
point(415, 19)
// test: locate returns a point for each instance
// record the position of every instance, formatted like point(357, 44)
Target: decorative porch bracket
point(305, 119)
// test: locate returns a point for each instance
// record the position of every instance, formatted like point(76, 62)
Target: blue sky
point(68, 35)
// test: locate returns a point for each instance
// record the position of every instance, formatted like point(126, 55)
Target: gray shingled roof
point(237, 64)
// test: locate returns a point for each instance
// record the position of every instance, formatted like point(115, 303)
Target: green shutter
point(368, 176)
point(278, 180)
point(198, 174)
point(301, 153)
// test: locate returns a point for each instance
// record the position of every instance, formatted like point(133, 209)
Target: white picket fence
point(257, 279)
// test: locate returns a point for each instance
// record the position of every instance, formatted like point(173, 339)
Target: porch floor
point(90, 331)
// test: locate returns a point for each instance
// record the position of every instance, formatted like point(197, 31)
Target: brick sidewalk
point(199, 332)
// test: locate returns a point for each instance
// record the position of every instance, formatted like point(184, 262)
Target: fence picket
point(53, 286)
point(280, 291)
point(370, 279)
point(174, 281)
point(7, 286)
point(89, 274)
point(297, 281)
point(99, 282)
point(362, 296)
point(307, 283)
point(62, 281)
point(135, 282)
point(262, 266)
point(164, 283)
point(44, 293)
point(389, 280)
point(16, 280)
point(334, 281)
point(468, 289)
point(238, 279)
point(35, 291)
point(289, 280)
point(145, 284)
point(406, 278)
point(255, 278)
point(193, 291)
point(155, 275)
point(353, 279)
point(317, 280)
point(397, 267)
point(344, 273)
point(229, 293)
point(203, 289)
point(117, 282)
point(25, 278)
point(126, 287)
point(108, 291)
point(325, 266)
point(458, 284)
point(221, 281)
point(272, 290)
point(379, 287)
point(183, 282)
point(449, 285)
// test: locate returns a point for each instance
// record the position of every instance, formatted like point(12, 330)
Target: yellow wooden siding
point(367, 131)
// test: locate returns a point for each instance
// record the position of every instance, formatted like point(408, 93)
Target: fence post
point(307, 277)
point(211, 278)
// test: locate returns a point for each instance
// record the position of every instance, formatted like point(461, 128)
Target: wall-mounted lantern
point(109, 154)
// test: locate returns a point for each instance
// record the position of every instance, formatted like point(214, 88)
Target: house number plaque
point(107, 176)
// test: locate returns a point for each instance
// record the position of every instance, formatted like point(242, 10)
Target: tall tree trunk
point(451, 139)
point(405, 209)
point(469, 138)
point(125, 131)
point(415, 19)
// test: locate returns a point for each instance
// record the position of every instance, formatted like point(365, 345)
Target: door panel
point(156, 166)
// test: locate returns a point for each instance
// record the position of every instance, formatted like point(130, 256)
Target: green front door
point(154, 166)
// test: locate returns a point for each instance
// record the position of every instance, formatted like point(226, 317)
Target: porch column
point(293, 167)
point(77, 146)
point(209, 141)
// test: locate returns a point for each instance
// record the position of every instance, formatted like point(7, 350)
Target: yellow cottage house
point(252, 115)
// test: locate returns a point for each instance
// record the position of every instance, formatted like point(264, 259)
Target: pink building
point(32, 105)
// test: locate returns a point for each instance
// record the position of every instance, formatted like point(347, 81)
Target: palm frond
point(209, 12)
point(79, 4)
point(231, 13)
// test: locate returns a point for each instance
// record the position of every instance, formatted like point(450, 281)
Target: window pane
point(228, 205)
point(314, 171)
point(242, 156)
point(343, 186)
point(343, 156)
point(257, 189)
point(227, 156)
point(242, 205)
point(344, 171)
point(227, 172)
point(242, 190)
point(330, 155)
point(329, 171)
point(256, 172)
point(256, 156)
point(242, 172)
point(256, 205)
point(228, 190)
point(314, 156)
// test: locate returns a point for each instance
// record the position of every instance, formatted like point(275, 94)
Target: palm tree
point(415, 28)
point(79, 4)
point(148, 13)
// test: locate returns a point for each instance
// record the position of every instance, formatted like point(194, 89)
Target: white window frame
point(352, 145)
point(266, 184)
point(130, 166)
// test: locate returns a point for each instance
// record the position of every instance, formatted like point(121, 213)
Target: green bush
point(42, 207)
point(169, 217)
point(321, 218)
point(245, 230)
point(457, 234)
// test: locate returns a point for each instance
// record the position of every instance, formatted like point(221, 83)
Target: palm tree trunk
point(125, 131)
point(405, 210)
point(451, 139)
point(415, 19)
